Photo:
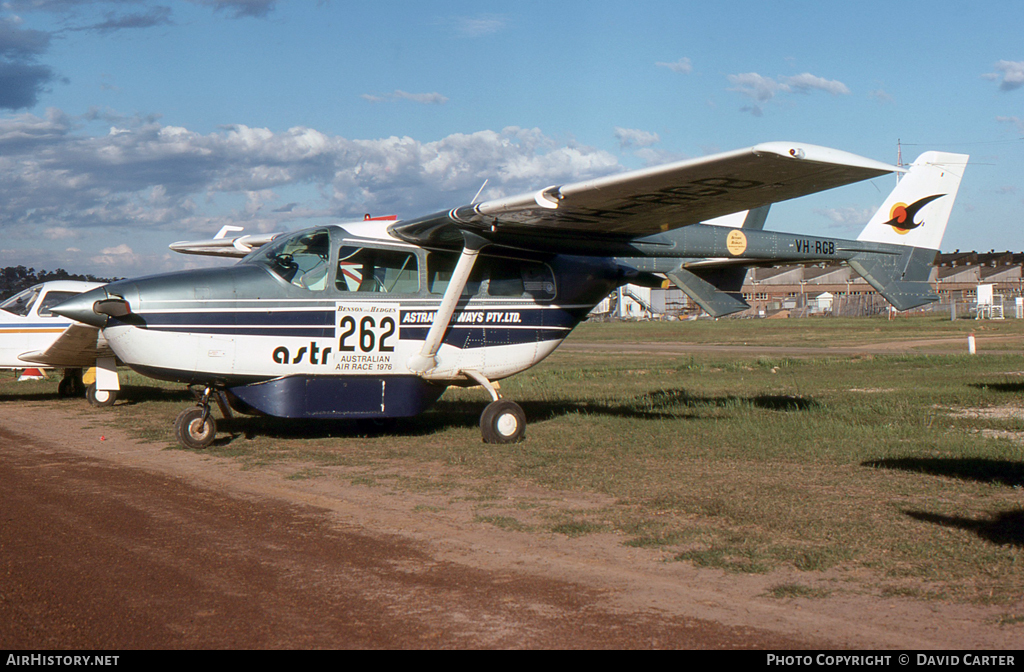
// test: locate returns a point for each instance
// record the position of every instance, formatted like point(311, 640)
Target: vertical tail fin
point(916, 212)
point(914, 216)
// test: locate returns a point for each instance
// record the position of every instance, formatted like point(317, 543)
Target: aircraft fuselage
point(328, 330)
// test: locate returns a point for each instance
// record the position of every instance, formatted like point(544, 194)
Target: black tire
point(101, 398)
point(191, 432)
point(503, 421)
point(64, 388)
point(71, 384)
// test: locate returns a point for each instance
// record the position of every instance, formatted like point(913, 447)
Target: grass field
point(889, 474)
point(798, 332)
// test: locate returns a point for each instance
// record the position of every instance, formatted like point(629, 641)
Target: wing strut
point(426, 359)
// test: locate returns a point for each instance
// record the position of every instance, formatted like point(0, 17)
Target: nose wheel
point(195, 427)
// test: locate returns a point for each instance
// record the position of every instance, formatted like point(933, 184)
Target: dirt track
point(108, 544)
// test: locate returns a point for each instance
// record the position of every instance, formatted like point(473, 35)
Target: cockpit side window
point(301, 260)
point(21, 303)
point(53, 299)
point(368, 269)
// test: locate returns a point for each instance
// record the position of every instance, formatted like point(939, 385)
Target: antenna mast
point(899, 158)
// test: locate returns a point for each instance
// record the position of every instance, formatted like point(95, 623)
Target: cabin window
point(367, 269)
point(21, 303)
point(441, 265)
point(301, 260)
point(494, 276)
point(504, 277)
point(53, 299)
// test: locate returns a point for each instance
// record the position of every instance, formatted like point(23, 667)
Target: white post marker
point(970, 345)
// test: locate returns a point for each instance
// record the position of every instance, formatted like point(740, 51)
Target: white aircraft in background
point(32, 336)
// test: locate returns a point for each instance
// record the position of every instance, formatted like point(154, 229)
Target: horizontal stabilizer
point(902, 280)
point(907, 295)
point(709, 297)
point(237, 246)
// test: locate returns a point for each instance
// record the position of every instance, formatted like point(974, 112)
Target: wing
point(653, 200)
point(79, 346)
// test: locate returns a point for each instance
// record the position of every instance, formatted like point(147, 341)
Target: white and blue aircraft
point(31, 335)
point(375, 319)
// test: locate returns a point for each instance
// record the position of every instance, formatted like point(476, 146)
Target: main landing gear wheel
point(195, 428)
point(71, 384)
point(503, 421)
point(100, 397)
point(64, 388)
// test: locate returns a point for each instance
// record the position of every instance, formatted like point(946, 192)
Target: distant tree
point(14, 279)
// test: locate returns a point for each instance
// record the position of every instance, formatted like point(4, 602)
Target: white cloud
point(166, 183)
point(807, 82)
point(59, 233)
point(881, 96)
point(478, 26)
point(1017, 122)
point(241, 8)
point(763, 89)
point(422, 98)
point(1012, 73)
point(755, 86)
point(118, 257)
point(683, 66)
point(120, 249)
point(631, 137)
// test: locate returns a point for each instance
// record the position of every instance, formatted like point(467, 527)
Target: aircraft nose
point(80, 308)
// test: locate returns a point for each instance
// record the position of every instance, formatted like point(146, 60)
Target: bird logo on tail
point(901, 217)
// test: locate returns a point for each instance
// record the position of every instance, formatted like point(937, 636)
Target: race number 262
point(366, 334)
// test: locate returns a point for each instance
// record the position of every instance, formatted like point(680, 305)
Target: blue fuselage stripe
point(303, 332)
point(470, 328)
point(481, 337)
point(228, 318)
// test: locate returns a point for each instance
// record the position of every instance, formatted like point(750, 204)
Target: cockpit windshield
point(301, 260)
point(21, 303)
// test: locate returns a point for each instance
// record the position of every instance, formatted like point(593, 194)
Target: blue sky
point(125, 126)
